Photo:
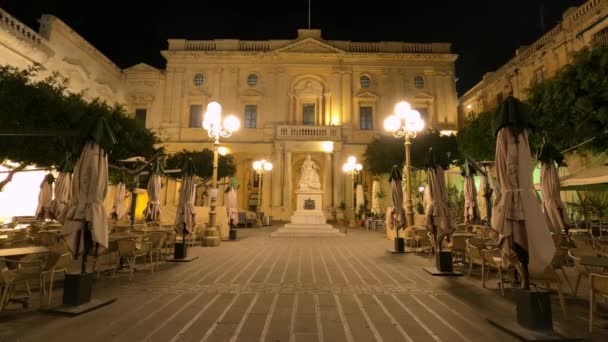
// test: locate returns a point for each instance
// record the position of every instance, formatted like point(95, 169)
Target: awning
point(592, 179)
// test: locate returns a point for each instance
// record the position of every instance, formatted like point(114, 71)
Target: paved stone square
point(262, 288)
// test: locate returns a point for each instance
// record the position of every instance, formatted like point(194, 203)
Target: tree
point(384, 152)
point(572, 107)
point(32, 105)
point(203, 162)
point(475, 139)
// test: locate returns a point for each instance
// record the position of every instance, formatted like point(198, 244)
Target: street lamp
point(405, 123)
point(261, 166)
point(212, 124)
point(352, 168)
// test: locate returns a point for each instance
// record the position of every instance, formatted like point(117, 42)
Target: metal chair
point(127, 248)
point(598, 285)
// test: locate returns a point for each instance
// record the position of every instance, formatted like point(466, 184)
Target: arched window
point(199, 79)
point(252, 80)
point(418, 82)
point(365, 81)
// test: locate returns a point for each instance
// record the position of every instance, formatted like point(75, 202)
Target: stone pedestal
point(308, 220)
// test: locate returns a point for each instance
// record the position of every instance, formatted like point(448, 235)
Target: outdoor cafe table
point(23, 251)
point(594, 261)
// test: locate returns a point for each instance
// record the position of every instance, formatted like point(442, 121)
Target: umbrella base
point(232, 234)
point(436, 272)
point(180, 253)
point(445, 267)
point(75, 310)
point(77, 288)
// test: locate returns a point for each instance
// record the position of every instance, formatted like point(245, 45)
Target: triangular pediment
point(309, 45)
point(366, 95)
point(198, 92)
point(141, 67)
point(251, 93)
point(423, 96)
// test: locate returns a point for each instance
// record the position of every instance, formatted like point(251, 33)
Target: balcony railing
point(305, 132)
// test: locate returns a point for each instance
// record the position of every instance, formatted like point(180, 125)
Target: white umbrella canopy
point(86, 210)
point(516, 215)
point(376, 208)
point(118, 208)
point(552, 205)
point(154, 188)
point(438, 217)
point(62, 195)
point(86, 220)
point(45, 197)
point(185, 217)
point(471, 210)
point(360, 199)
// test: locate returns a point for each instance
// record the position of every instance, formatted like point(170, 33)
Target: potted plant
point(360, 215)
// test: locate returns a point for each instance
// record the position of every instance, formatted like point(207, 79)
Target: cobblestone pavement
point(279, 289)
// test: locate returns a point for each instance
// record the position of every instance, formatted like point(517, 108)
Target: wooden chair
point(474, 248)
point(576, 254)
point(598, 285)
point(157, 241)
point(493, 258)
point(29, 268)
point(57, 262)
point(459, 247)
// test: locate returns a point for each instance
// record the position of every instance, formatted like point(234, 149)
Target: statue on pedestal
point(309, 177)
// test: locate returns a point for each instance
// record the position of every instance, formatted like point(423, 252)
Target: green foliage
point(360, 212)
point(384, 152)
point(573, 105)
point(203, 162)
point(27, 103)
point(456, 203)
point(475, 139)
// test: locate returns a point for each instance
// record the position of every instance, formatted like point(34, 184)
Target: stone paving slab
point(288, 289)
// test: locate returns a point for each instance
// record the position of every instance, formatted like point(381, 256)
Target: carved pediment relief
point(140, 98)
point(141, 67)
point(309, 45)
point(74, 66)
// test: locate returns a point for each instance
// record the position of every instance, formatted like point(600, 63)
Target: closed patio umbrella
point(552, 205)
point(376, 208)
point(63, 184)
point(154, 188)
point(231, 201)
point(86, 222)
point(185, 217)
point(516, 215)
point(45, 197)
point(118, 208)
point(471, 210)
point(398, 219)
point(360, 198)
point(438, 217)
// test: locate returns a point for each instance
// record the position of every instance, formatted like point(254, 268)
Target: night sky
point(484, 34)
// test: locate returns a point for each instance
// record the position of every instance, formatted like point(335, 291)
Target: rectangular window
point(499, 98)
point(365, 115)
point(251, 115)
point(308, 114)
point(140, 117)
point(539, 75)
point(196, 116)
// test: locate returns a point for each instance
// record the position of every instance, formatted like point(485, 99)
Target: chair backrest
point(47, 238)
point(599, 283)
point(459, 242)
point(462, 227)
point(126, 247)
point(475, 246)
point(157, 239)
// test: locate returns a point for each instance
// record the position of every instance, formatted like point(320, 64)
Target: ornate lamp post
point(261, 166)
point(405, 123)
point(212, 124)
point(352, 168)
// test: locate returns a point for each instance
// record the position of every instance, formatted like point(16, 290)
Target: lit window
point(196, 116)
point(140, 117)
point(252, 80)
point(308, 114)
point(365, 81)
point(199, 79)
point(418, 82)
point(365, 115)
point(251, 113)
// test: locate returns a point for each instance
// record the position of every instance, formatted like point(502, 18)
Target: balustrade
point(305, 132)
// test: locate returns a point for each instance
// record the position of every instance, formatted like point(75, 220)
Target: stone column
point(287, 183)
point(327, 107)
point(327, 184)
point(278, 169)
point(346, 98)
point(291, 114)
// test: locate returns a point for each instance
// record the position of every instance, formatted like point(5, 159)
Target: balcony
point(307, 132)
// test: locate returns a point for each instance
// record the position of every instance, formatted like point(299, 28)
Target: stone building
point(304, 95)
point(580, 26)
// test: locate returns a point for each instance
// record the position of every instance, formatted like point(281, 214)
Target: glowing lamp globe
point(231, 123)
point(402, 108)
point(257, 165)
point(214, 108)
point(392, 123)
point(267, 166)
point(358, 167)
